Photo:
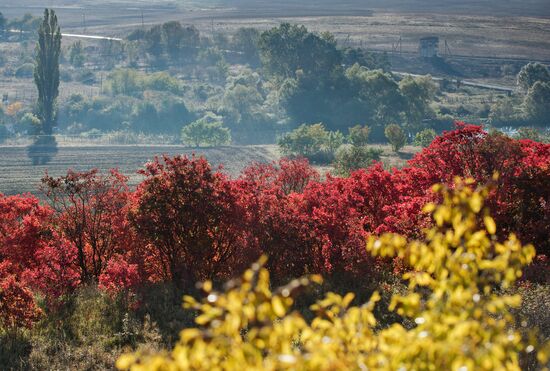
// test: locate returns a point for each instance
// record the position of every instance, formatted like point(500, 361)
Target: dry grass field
point(19, 175)
point(512, 28)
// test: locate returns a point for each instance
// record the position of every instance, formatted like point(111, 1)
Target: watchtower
point(428, 47)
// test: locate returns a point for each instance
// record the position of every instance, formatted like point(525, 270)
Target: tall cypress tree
point(46, 70)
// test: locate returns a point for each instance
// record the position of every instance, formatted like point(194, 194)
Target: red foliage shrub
point(37, 256)
point(289, 175)
point(24, 229)
point(191, 220)
point(119, 275)
point(55, 272)
point(91, 213)
point(521, 202)
point(17, 305)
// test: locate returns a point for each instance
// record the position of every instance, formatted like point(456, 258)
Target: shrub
point(190, 220)
point(125, 81)
point(17, 307)
point(469, 151)
point(530, 133)
point(76, 54)
point(29, 123)
point(4, 132)
point(207, 131)
point(162, 81)
point(24, 71)
point(532, 73)
point(395, 136)
point(425, 137)
point(91, 213)
point(359, 135)
point(288, 175)
point(451, 303)
point(351, 158)
point(311, 141)
point(537, 103)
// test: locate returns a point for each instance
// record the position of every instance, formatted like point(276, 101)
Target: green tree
point(418, 93)
point(125, 81)
point(287, 49)
point(173, 34)
point(76, 55)
point(206, 131)
point(503, 111)
point(154, 44)
point(335, 140)
point(525, 132)
point(425, 137)
point(537, 103)
point(3, 24)
point(307, 141)
point(531, 73)
point(359, 135)
point(351, 158)
point(246, 41)
point(396, 136)
point(377, 90)
point(46, 72)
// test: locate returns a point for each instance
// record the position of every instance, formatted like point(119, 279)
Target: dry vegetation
point(514, 28)
point(19, 175)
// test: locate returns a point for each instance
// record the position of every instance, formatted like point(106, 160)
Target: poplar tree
point(46, 70)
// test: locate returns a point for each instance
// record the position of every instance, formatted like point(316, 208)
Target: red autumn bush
point(91, 213)
point(191, 219)
point(288, 175)
point(55, 272)
point(24, 229)
point(17, 305)
point(521, 202)
point(33, 255)
point(119, 275)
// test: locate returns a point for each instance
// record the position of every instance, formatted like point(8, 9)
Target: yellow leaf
point(278, 306)
point(490, 224)
point(125, 361)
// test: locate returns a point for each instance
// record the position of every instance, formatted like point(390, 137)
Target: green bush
point(4, 133)
point(311, 141)
point(207, 131)
point(161, 81)
point(29, 123)
point(76, 54)
point(531, 73)
point(351, 158)
point(125, 81)
point(24, 71)
point(396, 136)
point(359, 135)
point(425, 137)
point(525, 132)
point(537, 103)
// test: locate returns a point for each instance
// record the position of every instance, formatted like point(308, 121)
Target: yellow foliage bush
point(455, 298)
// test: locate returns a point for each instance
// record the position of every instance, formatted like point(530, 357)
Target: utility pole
point(398, 45)
point(84, 21)
point(142, 20)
